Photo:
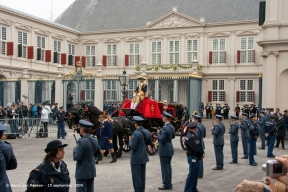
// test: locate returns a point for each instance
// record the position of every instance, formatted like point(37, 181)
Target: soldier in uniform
point(195, 154)
point(208, 111)
point(218, 132)
point(139, 93)
point(200, 133)
point(237, 110)
point(84, 153)
point(244, 126)
point(7, 161)
point(106, 136)
point(261, 124)
point(234, 139)
point(253, 134)
point(138, 141)
point(165, 150)
point(270, 130)
point(226, 109)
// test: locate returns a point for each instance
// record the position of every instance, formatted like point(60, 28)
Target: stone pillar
point(147, 50)
point(195, 93)
point(175, 90)
point(98, 93)
point(165, 50)
point(59, 95)
point(156, 96)
point(200, 56)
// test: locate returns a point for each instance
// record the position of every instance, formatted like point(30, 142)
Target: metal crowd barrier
point(27, 126)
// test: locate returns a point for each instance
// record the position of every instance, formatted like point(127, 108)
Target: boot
point(114, 159)
point(96, 160)
point(100, 157)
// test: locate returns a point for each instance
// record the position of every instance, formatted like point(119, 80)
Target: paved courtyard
point(117, 177)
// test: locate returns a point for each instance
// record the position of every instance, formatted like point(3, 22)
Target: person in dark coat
point(69, 101)
point(234, 139)
point(261, 127)
point(7, 162)
point(244, 126)
point(139, 157)
point(208, 111)
point(165, 150)
point(270, 130)
point(52, 173)
point(106, 137)
point(59, 118)
point(218, 132)
point(252, 139)
point(84, 153)
point(201, 134)
point(280, 135)
point(237, 110)
point(2, 114)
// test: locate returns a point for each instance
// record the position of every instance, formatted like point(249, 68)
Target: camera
point(274, 168)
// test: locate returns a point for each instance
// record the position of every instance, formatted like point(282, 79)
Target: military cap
point(138, 118)
point(141, 78)
point(234, 117)
point(53, 145)
point(285, 111)
point(219, 116)
point(86, 124)
point(197, 117)
point(192, 125)
point(252, 115)
point(262, 111)
point(166, 114)
point(2, 127)
point(245, 114)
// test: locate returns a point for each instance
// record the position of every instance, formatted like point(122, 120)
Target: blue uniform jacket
point(245, 128)
point(9, 164)
point(140, 137)
point(218, 134)
point(234, 132)
point(106, 133)
point(270, 127)
point(143, 88)
point(261, 123)
point(84, 155)
point(201, 133)
point(165, 137)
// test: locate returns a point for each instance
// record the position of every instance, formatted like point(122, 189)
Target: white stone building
point(146, 38)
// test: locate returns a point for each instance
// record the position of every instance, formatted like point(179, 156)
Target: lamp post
point(124, 80)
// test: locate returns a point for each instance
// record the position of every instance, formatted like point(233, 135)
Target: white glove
point(138, 94)
point(134, 94)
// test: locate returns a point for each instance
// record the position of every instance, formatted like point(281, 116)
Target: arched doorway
point(2, 81)
point(283, 90)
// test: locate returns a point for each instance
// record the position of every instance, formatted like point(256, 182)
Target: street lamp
point(124, 80)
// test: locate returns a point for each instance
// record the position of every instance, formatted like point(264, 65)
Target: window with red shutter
point(104, 60)
point(77, 58)
point(209, 96)
point(63, 58)
point(47, 55)
point(126, 60)
point(237, 96)
point(238, 56)
point(83, 59)
point(10, 48)
point(210, 57)
point(30, 52)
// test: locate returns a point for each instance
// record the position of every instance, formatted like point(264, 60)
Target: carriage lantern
point(124, 80)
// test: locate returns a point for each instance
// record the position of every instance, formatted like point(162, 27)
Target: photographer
point(44, 119)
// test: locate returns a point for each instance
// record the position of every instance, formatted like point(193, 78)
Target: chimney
point(174, 9)
point(148, 23)
point(202, 19)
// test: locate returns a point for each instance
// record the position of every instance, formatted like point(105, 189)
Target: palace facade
point(225, 52)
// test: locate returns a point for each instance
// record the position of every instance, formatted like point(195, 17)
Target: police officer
point(253, 134)
point(261, 127)
point(270, 130)
point(208, 111)
point(84, 153)
point(244, 126)
point(138, 141)
point(218, 141)
point(200, 133)
point(165, 150)
point(234, 139)
point(7, 160)
point(195, 154)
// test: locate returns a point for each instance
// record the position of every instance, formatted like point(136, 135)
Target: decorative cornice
point(23, 27)
point(174, 36)
point(247, 32)
point(156, 37)
point(41, 32)
point(90, 41)
point(57, 36)
point(5, 21)
point(267, 53)
point(192, 35)
point(134, 39)
point(111, 40)
point(72, 40)
point(219, 34)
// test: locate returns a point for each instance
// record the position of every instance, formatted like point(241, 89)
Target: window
point(246, 91)
point(171, 93)
point(174, 52)
point(111, 55)
point(90, 56)
point(57, 50)
point(110, 90)
point(219, 53)
point(90, 85)
point(156, 52)
point(247, 50)
point(3, 39)
point(41, 47)
point(71, 51)
point(218, 93)
point(192, 50)
point(22, 41)
point(133, 54)
point(131, 88)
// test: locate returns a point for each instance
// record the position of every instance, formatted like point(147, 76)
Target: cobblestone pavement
point(117, 177)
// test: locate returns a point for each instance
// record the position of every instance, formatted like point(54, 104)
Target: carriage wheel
point(126, 147)
point(152, 149)
point(184, 132)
